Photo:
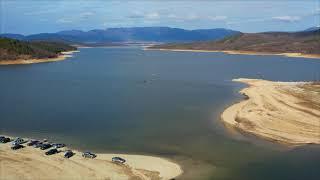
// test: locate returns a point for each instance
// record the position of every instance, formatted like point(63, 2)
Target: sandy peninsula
point(286, 112)
point(313, 56)
point(61, 57)
point(32, 163)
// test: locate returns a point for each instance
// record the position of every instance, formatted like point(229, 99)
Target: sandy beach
point(61, 57)
point(286, 112)
point(32, 163)
point(313, 56)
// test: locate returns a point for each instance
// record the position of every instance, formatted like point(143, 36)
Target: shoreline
point(13, 165)
point(64, 55)
point(234, 52)
point(283, 112)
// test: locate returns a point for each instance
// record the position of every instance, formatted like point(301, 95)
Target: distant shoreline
point(312, 56)
point(283, 112)
point(60, 57)
point(24, 162)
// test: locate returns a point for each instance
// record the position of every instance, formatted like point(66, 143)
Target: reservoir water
point(158, 103)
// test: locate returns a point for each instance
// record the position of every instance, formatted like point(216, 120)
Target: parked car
point(33, 142)
point(18, 141)
point(58, 145)
point(68, 154)
point(45, 146)
point(37, 145)
point(52, 151)
point(4, 139)
point(88, 155)
point(118, 160)
point(17, 146)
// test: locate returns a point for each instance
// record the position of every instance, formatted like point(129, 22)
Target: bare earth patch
point(287, 112)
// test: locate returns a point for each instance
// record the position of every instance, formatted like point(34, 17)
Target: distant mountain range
point(305, 42)
point(135, 34)
point(313, 28)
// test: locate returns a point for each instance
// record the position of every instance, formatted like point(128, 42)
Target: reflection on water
point(158, 103)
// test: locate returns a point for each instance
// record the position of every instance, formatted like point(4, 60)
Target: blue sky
point(35, 16)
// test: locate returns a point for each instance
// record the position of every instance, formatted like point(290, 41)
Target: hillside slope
point(307, 42)
point(11, 49)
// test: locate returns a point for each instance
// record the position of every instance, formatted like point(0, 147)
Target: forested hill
point(306, 42)
point(11, 49)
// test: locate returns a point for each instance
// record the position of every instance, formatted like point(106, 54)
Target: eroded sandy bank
point(313, 56)
point(61, 57)
point(32, 163)
point(287, 112)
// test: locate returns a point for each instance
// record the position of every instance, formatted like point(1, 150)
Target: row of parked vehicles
point(43, 145)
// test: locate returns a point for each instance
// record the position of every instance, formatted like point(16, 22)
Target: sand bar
point(32, 163)
point(286, 112)
point(61, 57)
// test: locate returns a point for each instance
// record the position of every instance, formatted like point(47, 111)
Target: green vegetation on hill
point(11, 49)
point(272, 42)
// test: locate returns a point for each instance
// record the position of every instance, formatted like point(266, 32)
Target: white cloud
point(43, 20)
point(136, 15)
point(141, 15)
point(287, 18)
point(248, 21)
point(40, 12)
point(316, 12)
point(192, 17)
point(275, 18)
point(75, 18)
point(64, 21)
point(217, 18)
point(153, 15)
point(86, 15)
point(105, 24)
point(172, 16)
point(149, 16)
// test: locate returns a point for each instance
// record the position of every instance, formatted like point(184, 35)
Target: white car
point(18, 141)
point(118, 160)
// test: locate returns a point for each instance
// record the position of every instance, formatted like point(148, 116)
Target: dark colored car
point(4, 139)
point(45, 146)
point(37, 145)
point(52, 151)
point(58, 145)
point(88, 155)
point(33, 142)
point(17, 146)
point(118, 160)
point(68, 154)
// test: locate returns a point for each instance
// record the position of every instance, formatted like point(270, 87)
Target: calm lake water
point(158, 103)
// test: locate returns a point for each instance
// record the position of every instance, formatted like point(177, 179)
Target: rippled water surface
point(157, 103)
